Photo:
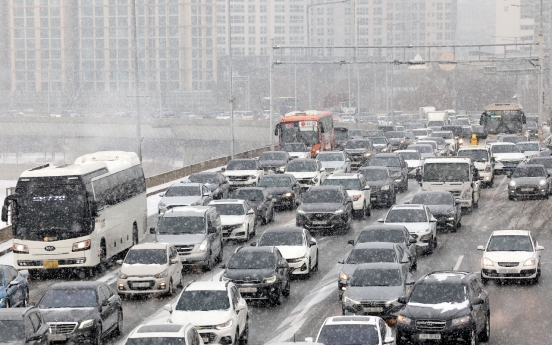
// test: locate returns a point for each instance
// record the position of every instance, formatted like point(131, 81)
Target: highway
point(519, 312)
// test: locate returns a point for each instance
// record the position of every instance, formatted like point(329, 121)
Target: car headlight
point(367, 154)
point(1, 301)
point(384, 150)
point(282, 168)
point(288, 195)
point(82, 245)
point(225, 325)
point(512, 183)
point(388, 303)
point(542, 182)
point(356, 197)
point(86, 324)
point(271, 280)
point(385, 187)
point(530, 262)
point(19, 248)
point(163, 274)
point(301, 212)
point(404, 320)
point(343, 276)
point(225, 279)
point(202, 247)
point(460, 321)
point(350, 300)
point(487, 262)
point(340, 211)
point(121, 275)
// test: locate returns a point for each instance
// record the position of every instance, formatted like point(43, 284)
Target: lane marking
point(458, 263)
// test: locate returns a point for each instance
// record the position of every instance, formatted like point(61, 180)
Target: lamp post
point(136, 80)
point(231, 100)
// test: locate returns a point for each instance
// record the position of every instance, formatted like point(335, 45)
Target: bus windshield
point(446, 172)
point(292, 132)
point(503, 121)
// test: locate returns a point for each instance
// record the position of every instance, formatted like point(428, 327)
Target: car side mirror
point(482, 248)
point(283, 264)
point(152, 230)
point(457, 201)
point(405, 261)
point(540, 248)
point(253, 244)
point(410, 282)
point(13, 283)
point(522, 151)
point(351, 242)
point(168, 307)
point(412, 240)
point(250, 211)
point(223, 266)
point(119, 262)
point(207, 194)
point(312, 243)
point(367, 188)
point(478, 301)
point(174, 261)
point(402, 300)
point(223, 169)
point(105, 303)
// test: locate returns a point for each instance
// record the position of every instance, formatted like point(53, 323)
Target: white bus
point(80, 214)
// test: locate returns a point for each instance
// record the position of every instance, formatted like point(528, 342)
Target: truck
point(438, 118)
point(424, 111)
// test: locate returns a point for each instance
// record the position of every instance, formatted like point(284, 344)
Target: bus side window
point(101, 192)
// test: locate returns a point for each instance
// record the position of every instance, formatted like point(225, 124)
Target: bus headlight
point(82, 245)
point(20, 248)
point(542, 182)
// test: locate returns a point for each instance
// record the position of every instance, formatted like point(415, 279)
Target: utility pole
point(540, 98)
point(229, 34)
point(271, 86)
point(136, 81)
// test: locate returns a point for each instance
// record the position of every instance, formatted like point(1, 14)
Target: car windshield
point(298, 147)
point(475, 155)
point(369, 255)
point(456, 130)
point(242, 165)
point(247, 260)
point(281, 238)
point(529, 146)
point(433, 199)
point(322, 196)
point(421, 148)
point(183, 191)
point(146, 257)
point(406, 216)
point(203, 300)
point(358, 144)
point(374, 133)
point(229, 209)
point(438, 293)
point(374, 174)
point(156, 341)
point(547, 162)
point(410, 156)
point(248, 194)
point(444, 135)
point(274, 181)
point(530, 171)
point(505, 149)
point(446, 172)
point(513, 139)
point(330, 157)
point(355, 132)
point(68, 298)
point(347, 183)
point(394, 134)
point(419, 132)
point(376, 277)
point(301, 166)
point(510, 243)
point(181, 225)
point(440, 141)
point(351, 334)
point(392, 236)
point(273, 156)
point(341, 134)
point(204, 178)
point(12, 330)
point(379, 141)
point(385, 162)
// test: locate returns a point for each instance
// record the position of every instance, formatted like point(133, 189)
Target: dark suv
point(382, 185)
point(259, 273)
point(274, 161)
point(23, 326)
point(445, 306)
point(398, 168)
point(325, 207)
point(359, 151)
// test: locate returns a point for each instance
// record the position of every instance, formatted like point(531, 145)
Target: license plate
point(141, 284)
point(319, 222)
point(507, 270)
point(526, 189)
point(373, 199)
point(205, 340)
point(50, 264)
point(58, 337)
point(248, 290)
point(430, 336)
point(183, 259)
point(511, 165)
point(373, 310)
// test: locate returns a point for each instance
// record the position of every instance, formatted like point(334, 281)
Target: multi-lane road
point(519, 312)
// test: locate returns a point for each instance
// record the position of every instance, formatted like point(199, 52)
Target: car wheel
point(26, 299)
point(430, 246)
point(98, 335)
point(134, 235)
point(221, 252)
point(472, 339)
point(315, 267)
point(119, 329)
point(511, 197)
point(7, 304)
point(244, 338)
point(272, 215)
point(485, 334)
point(170, 292)
point(434, 242)
point(247, 235)
point(484, 280)
point(209, 264)
point(237, 337)
point(287, 290)
point(308, 274)
point(276, 300)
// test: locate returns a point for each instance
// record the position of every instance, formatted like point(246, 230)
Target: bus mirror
point(276, 128)
point(94, 209)
point(5, 214)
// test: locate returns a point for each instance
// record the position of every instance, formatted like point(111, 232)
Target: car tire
point(287, 290)
point(485, 334)
point(170, 291)
point(244, 338)
point(237, 337)
point(472, 339)
point(484, 280)
point(98, 335)
point(276, 300)
point(247, 234)
point(221, 253)
point(511, 197)
point(26, 298)
point(119, 329)
point(308, 274)
point(209, 265)
point(315, 268)
point(430, 246)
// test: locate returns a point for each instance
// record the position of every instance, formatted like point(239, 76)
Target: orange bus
point(312, 127)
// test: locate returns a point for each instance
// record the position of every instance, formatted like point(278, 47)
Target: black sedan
point(283, 188)
point(259, 199)
point(382, 185)
point(443, 206)
point(20, 326)
point(325, 207)
point(215, 181)
point(81, 312)
point(274, 161)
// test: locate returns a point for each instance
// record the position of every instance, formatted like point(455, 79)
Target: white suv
point(237, 218)
point(216, 309)
point(308, 172)
point(356, 330)
point(357, 189)
point(243, 172)
point(482, 160)
point(164, 333)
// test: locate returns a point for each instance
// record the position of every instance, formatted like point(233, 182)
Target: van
point(457, 175)
point(195, 231)
point(482, 160)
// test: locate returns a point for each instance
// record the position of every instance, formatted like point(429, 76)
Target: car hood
point(272, 163)
point(212, 186)
point(373, 293)
point(201, 318)
point(303, 174)
point(509, 156)
point(142, 270)
point(529, 154)
point(509, 256)
point(356, 150)
point(14, 342)
point(297, 154)
point(413, 163)
point(180, 200)
point(239, 172)
point(320, 207)
point(440, 311)
point(393, 169)
point(292, 252)
point(248, 274)
point(278, 190)
point(181, 239)
point(68, 314)
point(413, 227)
point(333, 165)
point(528, 180)
point(438, 210)
point(231, 220)
point(379, 183)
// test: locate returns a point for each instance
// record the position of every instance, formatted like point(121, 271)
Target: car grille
point(185, 250)
point(508, 264)
point(238, 178)
point(305, 181)
point(199, 328)
point(319, 216)
point(456, 192)
point(372, 304)
point(430, 325)
point(355, 157)
point(62, 328)
point(210, 337)
point(150, 283)
point(230, 227)
point(241, 282)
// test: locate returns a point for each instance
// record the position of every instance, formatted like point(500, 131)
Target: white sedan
point(296, 245)
point(511, 254)
point(418, 220)
point(237, 218)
